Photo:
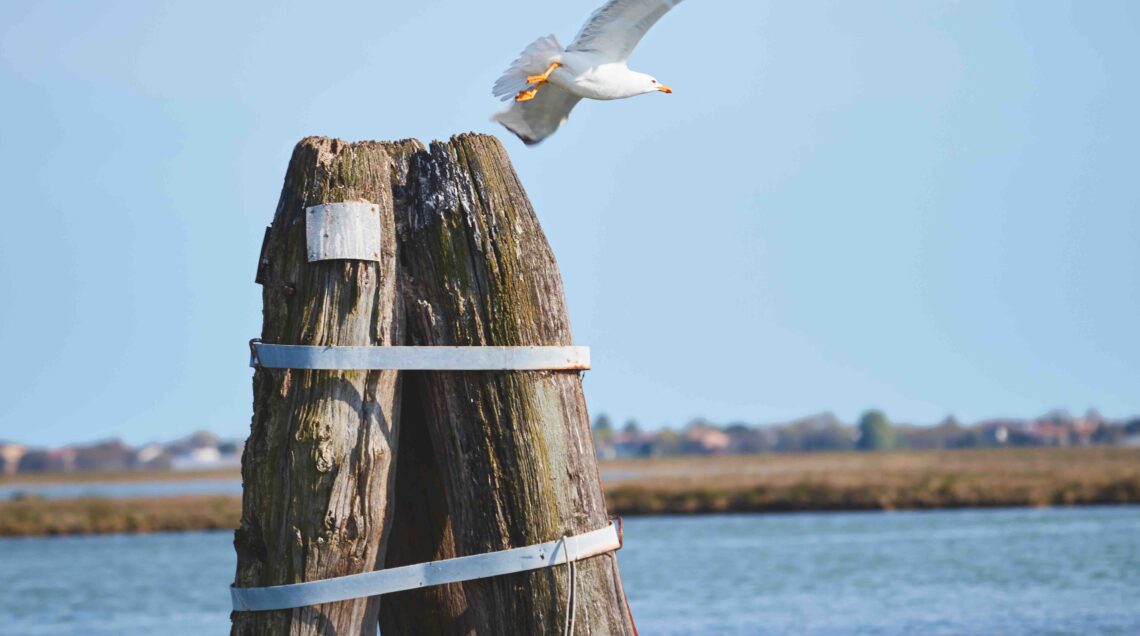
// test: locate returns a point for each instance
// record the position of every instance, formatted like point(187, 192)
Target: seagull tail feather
point(535, 120)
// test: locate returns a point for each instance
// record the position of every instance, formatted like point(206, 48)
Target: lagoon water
point(1047, 571)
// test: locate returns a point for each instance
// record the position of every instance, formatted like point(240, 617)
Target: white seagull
point(546, 81)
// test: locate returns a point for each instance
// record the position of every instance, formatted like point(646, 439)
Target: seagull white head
point(547, 81)
point(650, 84)
point(618, 83)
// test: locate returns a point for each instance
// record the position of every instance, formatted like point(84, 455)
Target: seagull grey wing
point(615, 29)
point(537, 119)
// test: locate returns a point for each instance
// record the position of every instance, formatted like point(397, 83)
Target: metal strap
point(274, 356)
point(410, 577)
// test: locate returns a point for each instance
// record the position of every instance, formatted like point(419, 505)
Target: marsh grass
point(124, 476)
point(876, 481)
point(697, 485)
point(34, 516)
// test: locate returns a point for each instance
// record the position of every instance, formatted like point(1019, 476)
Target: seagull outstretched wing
point(538, 118)
point(615, 29)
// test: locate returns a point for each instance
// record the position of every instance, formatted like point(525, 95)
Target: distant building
point(153, 457)
point(1001, 434)
point(706, 440)
point(59, 460)
point(109, 455)
point(204, 451)
point(629, 445)
point(1003, 431)
point(10, 455)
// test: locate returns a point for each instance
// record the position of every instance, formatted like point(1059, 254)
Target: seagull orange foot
point(527, 95)
point(539, 79)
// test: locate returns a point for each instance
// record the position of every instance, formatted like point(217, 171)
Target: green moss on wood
point(513, 474)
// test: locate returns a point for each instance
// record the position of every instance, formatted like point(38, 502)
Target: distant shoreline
point(826, 482)
point(123, 476)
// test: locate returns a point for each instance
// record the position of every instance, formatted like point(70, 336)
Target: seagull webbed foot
point(539, 79)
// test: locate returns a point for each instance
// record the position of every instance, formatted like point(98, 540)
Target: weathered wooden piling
point(513, 450)
point(487, 460)
point(318, 466)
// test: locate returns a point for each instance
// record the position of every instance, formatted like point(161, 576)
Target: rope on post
point(409, 577)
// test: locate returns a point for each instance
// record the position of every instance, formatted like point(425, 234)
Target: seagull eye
point(654, 81)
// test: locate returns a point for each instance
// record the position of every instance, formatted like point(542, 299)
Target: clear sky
point(928, 207)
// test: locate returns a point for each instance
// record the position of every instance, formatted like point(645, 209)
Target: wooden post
point(488, 460)
point(318, 467)
point(512, 450)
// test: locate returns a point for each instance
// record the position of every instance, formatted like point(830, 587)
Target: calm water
point(1061, 571)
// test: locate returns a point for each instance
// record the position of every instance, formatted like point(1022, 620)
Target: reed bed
point(702, 485)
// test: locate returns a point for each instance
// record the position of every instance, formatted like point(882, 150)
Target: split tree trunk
point(318, 466)
point(512, 450)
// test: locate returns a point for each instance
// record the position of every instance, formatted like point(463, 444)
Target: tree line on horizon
point(818, 433)
point(873, 432)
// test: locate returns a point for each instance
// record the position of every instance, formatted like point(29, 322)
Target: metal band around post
point(272, 356)
point(411, 577)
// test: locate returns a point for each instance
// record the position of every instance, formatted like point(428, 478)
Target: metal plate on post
point(346, 230)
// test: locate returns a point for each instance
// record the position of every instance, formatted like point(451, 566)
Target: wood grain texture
point(421, 530)
point(487, 460)
point(512, 450)
point(318, 466)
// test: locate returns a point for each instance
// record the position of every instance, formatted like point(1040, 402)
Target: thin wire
point(571, 581)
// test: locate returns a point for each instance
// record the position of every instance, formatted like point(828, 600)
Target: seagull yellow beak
point(664, 89)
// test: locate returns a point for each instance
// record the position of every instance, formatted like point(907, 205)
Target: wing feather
point(615, 29)
point(538, 118)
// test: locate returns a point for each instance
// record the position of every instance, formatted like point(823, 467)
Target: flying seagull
point(546, 81)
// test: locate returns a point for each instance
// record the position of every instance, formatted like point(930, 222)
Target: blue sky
point(925, 207)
